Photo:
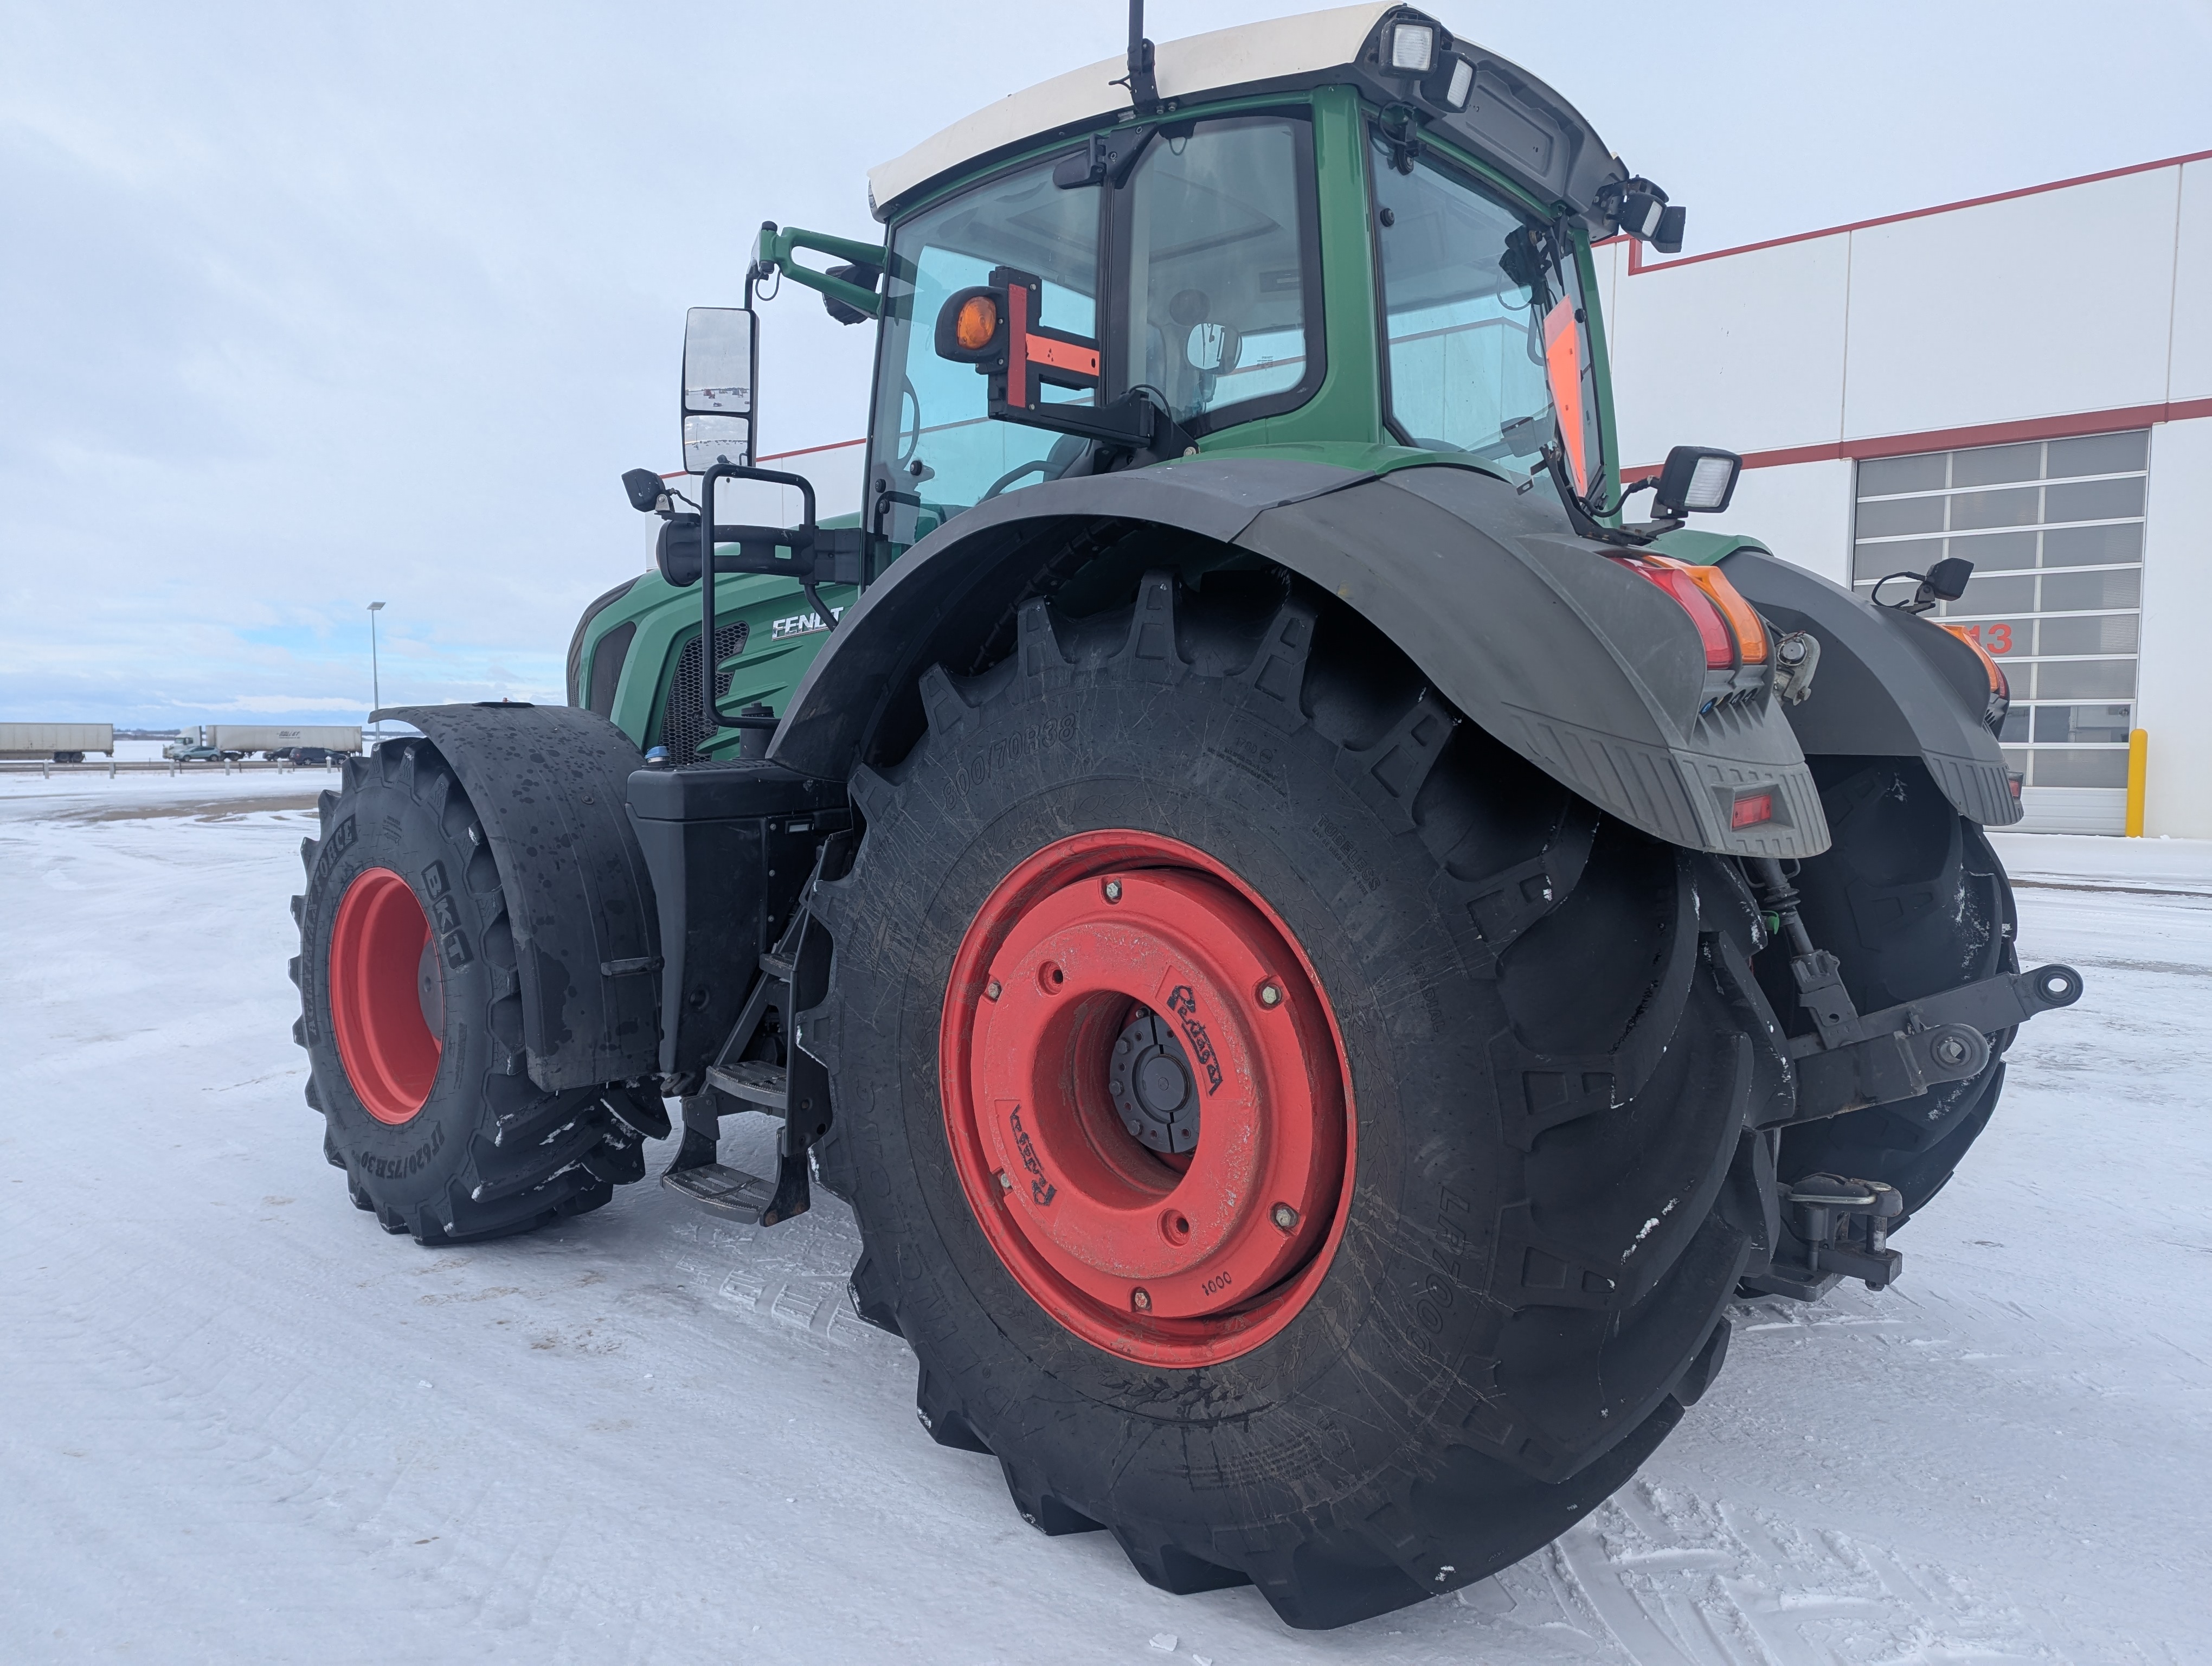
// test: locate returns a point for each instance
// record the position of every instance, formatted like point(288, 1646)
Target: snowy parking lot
point(244, 1424)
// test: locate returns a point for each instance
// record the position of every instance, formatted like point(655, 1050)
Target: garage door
point(2055, 530)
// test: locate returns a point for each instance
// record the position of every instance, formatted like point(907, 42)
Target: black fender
point(1593, 674)
point(549, 784)
point(1889, 684)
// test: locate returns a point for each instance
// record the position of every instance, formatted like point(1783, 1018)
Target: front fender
point(549, 785)
point(1591, 673)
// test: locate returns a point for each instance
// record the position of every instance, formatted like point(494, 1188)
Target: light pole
point(375, 679)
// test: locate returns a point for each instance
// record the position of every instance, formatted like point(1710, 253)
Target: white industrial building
point(1939, 382)
point(2025, 380)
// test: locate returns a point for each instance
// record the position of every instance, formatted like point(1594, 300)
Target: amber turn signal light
point(971, 325)
point(977, 322)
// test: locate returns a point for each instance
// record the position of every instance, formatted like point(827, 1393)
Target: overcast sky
point(306, 306)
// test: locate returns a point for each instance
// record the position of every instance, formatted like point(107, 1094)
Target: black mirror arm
point(1583, 515)
point(800, 566)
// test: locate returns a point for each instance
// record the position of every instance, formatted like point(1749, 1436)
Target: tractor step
point(722, 1191)
point(755, 1082)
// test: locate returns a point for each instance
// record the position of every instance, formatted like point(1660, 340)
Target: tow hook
point(1841, 1227)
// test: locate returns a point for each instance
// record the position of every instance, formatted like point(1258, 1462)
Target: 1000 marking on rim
point(1146, 1097)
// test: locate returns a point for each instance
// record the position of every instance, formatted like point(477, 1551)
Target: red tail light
point(1752, 808)
point(1712, 629)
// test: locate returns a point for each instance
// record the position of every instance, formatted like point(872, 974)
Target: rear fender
point(547, 783)
point(1593, 675)
point(1890, 684)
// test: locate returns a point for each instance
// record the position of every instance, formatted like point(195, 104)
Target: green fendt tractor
point(1322, 957)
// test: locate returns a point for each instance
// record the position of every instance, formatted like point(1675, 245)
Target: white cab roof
point(1287, 47)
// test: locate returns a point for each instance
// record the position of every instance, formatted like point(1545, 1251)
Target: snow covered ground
point(238, 1423)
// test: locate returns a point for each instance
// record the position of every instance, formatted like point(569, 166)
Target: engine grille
point(683, 724)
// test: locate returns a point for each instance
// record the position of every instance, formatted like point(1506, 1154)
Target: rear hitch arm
point(1855, 1059)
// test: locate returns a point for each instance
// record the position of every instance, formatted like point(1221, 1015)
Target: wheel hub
point(1147, 1096)
point(1151, 1082)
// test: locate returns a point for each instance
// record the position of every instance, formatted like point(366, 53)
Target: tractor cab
point(1350, 234)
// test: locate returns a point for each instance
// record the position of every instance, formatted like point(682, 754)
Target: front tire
point(412, 1020)
point(1520, 1086)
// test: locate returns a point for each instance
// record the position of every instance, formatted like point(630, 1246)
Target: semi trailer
point(56, 743)
point(302, 743)
point(1325, 933)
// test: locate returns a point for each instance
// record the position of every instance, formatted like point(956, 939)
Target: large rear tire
point(412, 1020)
point(1914, 900)
point(1509, 1083)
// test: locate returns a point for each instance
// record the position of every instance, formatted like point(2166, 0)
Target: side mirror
point(720, 349)
point(864, 277)
point(645, 490)
point(1214, 347)
point(1946, 581)
point(1696, 480)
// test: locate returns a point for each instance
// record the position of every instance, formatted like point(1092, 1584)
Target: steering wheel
point(1065, 453)
point(1011, 475)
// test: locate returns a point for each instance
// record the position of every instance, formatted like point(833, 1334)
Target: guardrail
point(167, 766)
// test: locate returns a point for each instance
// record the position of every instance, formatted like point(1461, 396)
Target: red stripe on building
point(1961, 439)
point(1636, 264)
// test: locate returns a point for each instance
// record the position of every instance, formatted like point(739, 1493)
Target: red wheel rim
point(1178, 1259)
point(379, 953)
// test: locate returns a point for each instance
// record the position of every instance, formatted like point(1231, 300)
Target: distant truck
point(59, 743)
point(311, 743)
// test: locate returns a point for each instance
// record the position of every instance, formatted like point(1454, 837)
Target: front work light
point(1452, 84)
point(1413, 48)
point(1697, 480)
point(1461, 84)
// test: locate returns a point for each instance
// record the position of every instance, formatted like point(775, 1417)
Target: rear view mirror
point(721, 348)
point(1946, 580)
point(644, 488)
point(1215, 347)
point(1696, 480)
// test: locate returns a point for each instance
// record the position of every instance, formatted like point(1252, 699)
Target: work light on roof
point(1696, 480)
point(1413, 48)
point(1459, 85)
point(1709, 483)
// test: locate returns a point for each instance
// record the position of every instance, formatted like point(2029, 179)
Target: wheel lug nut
point(1141, 1299)
point(1113, 895)
point(1285, 1217)
point(1006, 1181)
point(991, 990)
point(1271, 994)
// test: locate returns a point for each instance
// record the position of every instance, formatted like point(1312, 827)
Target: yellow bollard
point(2138, 772)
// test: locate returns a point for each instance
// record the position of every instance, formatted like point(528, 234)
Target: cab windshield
point(1468, 283)
point(1203, 256)
point(933, 447)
